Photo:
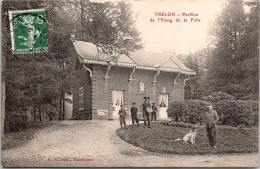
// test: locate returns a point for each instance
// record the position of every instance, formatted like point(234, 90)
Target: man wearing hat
point(144, 107)
point(211, 118)
point(153, 116)
point(122, 115)
point(133, 112)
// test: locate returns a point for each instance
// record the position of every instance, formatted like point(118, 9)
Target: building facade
point(102, 85)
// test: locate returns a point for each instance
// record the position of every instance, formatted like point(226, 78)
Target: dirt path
point(68, 142)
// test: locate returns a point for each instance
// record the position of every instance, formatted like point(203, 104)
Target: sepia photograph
point(137, 83)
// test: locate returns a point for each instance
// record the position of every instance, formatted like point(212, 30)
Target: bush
point(254, 107)
point(195, 110)
point(191, 111)
point(237, 112)
point(14, 121)
point(176, 110)
point(217, 96)
point(231, 112)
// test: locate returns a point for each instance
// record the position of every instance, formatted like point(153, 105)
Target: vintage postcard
point(144, 83)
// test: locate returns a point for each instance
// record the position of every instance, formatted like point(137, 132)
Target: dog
point(190, 137)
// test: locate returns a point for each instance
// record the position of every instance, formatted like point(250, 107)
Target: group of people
point(148, 109)
point(149, 113)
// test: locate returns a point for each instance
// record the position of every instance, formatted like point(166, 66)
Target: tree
point(234, 60)
point(40, 80)
point(197, 85)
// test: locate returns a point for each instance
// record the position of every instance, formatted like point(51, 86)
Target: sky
point(178, 37)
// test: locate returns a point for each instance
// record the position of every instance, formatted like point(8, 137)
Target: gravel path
point(95, 144)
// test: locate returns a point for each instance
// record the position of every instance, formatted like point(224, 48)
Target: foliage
point(254, 107)
point(195, 110)
point(110, 25)
point(191, 111)
point(234, 65)
point(237, 112)
point(230, 62)
point(217, 96)
point(15, 121)
point(41, 80)
point(231, 112)
point(198, 61)
point(176, 109)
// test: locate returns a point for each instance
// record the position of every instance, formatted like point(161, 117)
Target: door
point(117, 96)
point(68, 106)
point(163, 105)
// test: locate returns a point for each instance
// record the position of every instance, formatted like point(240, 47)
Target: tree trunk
point(40, 114)
point(3, 95)
point(34, 114)
point(60, 107)
point(63, 107)
point(3, 106)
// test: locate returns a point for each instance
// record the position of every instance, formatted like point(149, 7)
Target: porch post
point(131, 75)
point(175, 81)
point(155, 76)
point(89, 70)
point(108, 68)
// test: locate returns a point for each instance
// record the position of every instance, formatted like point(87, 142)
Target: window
point(141, 87)
point(81, 97)
point(164, 90)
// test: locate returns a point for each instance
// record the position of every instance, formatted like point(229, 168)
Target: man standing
point(122, 115)
point(211, 118)
point(154, 112)
point(133, 112)
point(144, 107)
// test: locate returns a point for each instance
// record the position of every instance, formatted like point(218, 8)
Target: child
point(122, 115)
point(134, 114)
point(154, 112)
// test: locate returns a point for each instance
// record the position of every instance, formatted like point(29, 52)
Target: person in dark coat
point(122, 115)
point(133, 112)
point(153, 116)
point(211, 118)
point(146, 104)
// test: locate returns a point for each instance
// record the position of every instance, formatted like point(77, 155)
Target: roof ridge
point(176, 63)
point(169, 59)
point(131, 59)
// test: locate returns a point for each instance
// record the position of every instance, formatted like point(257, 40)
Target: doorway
point(163, 105)
point(117, 96)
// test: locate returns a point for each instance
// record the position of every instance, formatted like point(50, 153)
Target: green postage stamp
point(28, 31)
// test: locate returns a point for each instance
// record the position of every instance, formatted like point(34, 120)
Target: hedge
point(191, 111)
point(237, 112)
point(231, 112)
point(254, 107)
point(194, 111)
point(217, 96)
point(176, 110)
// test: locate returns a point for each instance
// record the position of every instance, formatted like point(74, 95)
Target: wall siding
point(101, 89)
point(82, 80)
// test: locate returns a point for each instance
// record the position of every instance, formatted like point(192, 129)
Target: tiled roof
point(88, 52)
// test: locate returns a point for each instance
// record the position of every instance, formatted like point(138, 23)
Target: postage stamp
point(28, 31)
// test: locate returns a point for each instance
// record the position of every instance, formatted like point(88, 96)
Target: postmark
point(28, 31)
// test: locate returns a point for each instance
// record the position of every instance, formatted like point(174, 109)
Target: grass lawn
point(160, 139)
point(19, 138)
